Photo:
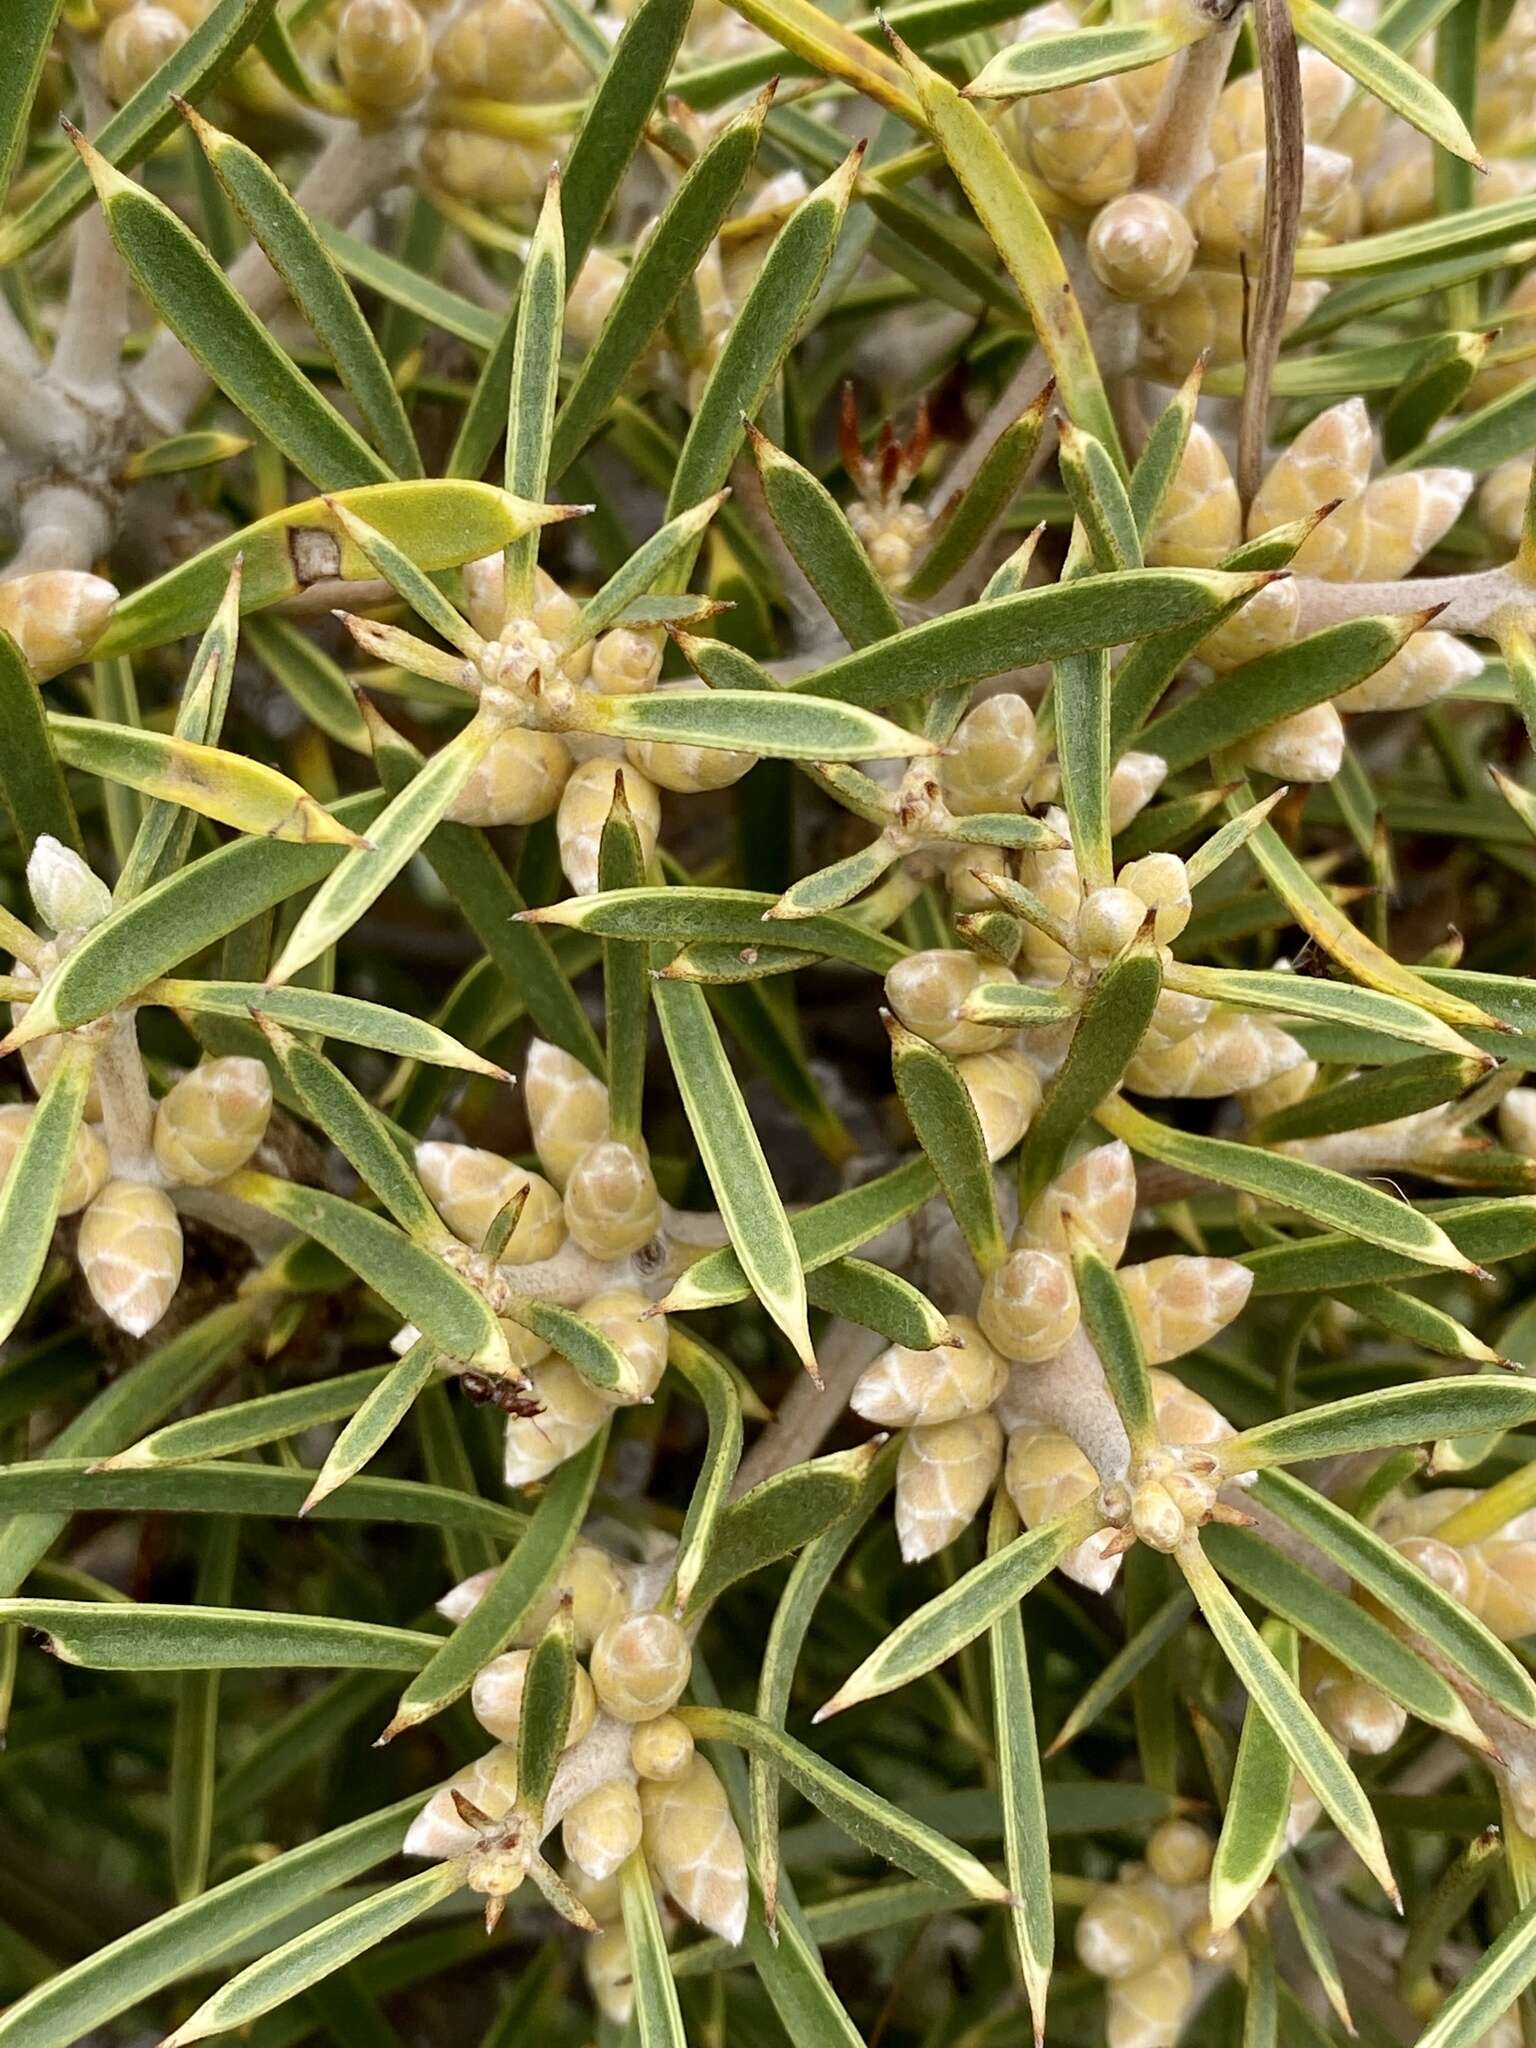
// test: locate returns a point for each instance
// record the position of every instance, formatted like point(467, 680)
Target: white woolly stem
point(808, 1414)
point(63, 526)
point(1473, 603)
point(1174, 154)
point(87, 355)
point(127, 1111)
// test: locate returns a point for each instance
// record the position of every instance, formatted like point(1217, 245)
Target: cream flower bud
point(1517, 1121)
point(1285, 1090)
point(55, 616)
point(640, 1666)
point(439, 1831)
point(524, 1349)
point(597, 1585)
point(382, 52)
point(1183, 1416)
point(517, 781)
point(1029, 1305)
point(567, 1107)
point(943, 1474)
point(621, 1314)
point(1045, 1474)
point(1179, 1303)
point(612, 1207)
point(1330, 458)
point(1161, 880)
point(994, 757)
point(1175, 1016)
point(1157, 1517)
point(1267, 621)
point(905, 1387)
point(584, 806)
point(1148, 2010)
point(1201, 520)
point(1226, 209)
point(571, 1414)
point(470, 1187)
point(610, 1973)
point(1140, 247)
point(661, 1749)
point(692, 1844)
point(687, 770)
point(602, 1831)
point(1123, 1928)
point(1230, 1053)
point(1107, 923)
point(1501, 501)
point(1098, 1192)
point(488, 170)
point(1428, 668)
point(496, 49)
point(598, 284)
point(1306, 747)
point(1437, 1561)
point(1133, 782)
point(134, 47)
point(627, 660)
point(1239, 122)
point(1005, 1093)
point(497, 1698)
point(210, 1122)
point(1205, 1945)
point(1179, 1853)
point(927, 989)
point(89, 1166)
point(1081, 141)
point(1358, 1716)
point(64, 892)
point(130, 1253)
point(1501, 1583)
point(1205, 316)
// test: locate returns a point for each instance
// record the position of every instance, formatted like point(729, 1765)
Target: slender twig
point(1284, 143)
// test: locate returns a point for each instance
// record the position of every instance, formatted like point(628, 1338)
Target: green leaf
point(34, 1182)
point(880, 1826)
point(194, 1733)
point(1489, 1988)
point(241, 1425)
point(664, 261)
point(658, 2016)
point(863, 1293)
point(1487, 1231)
point(967, 523)
point(823, 1233)
point(1019, 1005)
point(437, 523)
point(1347, 1631)
point(626, 976)
point(175, 919)
point(378, 1415)
point(31, 28)
point(1332, 1199)
point(1376, 1097)
point(782, 727)
point(298, 254)
point(992, 182)
point(831, 556)
point(1406, 1592)
point(1274, 686)
point(365, 873)
point(1457, 1405)
point(1055, 619)
point(760, 337)
point(1306, 1742)
point(191, 293)
point(715, 1390)
point(1099, 497)
point(780, 1515)
point(1031, 1915)
point(141, 123)
point(945, 1123)
point(581, 1344)
point(415, 1283)
point(1387, 76)
point(141, 1636)
point(672, 542)
point(534, 384)
point(317, 1953)
point(549, 1684)
point(1333, 1002)
point(964, 1610)
point(1080, 702)
point(183, 1941)
point(1073, 56)
point(31, 781)
point(230, 787)
point(732, 917)
point(1107, 1319)
point(1140, 1649)
point(734, 1161)
point(1108, 1032)
point(348, 1018)
point(513, 1595)
point(1159, 461)
point(360, 1134)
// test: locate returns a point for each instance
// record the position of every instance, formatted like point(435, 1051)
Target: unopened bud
point(570, 1414)
point(497, 1698)
point(994, 756)
point(134, 47)
point(903, 1388)
point(661, 1749)
point(567, 1108)
point(1122, 1929)
point(89, 1165)
point(584, 807)
point(1029, 1305)
point(612, 1206)
point(470, 1187)
point(1005, 1093)
point(1107, 923)
point(927, 989)
point(130, 1254)
point(1140, 247)
point(64, 892)
point(382, 52)
point(640, 1666)
point(1179, 1853)
point(943, 1474)
point(517, 781)
point(692, 1844)
point(602, 1831)
point(211, 1121)
point(623, 1316)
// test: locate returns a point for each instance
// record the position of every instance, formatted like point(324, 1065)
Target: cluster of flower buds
point(630, 1777)
point(1376, 532)
point(1146, 1931)
point(972, 1410)
point(205, 1127)
point(894, 533)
